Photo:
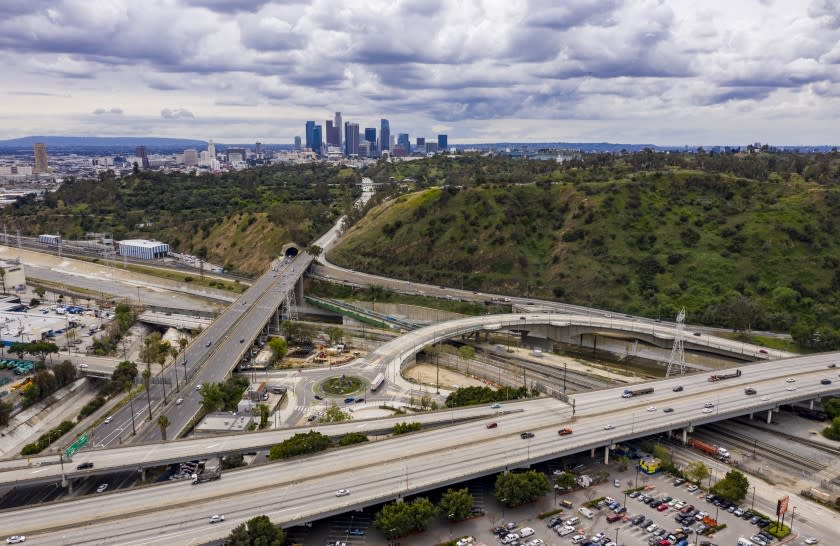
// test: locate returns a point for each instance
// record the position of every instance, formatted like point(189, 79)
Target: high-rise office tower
point(41, 161)
point(370, 137)
point(330, 132)
point(421, 144)
point(297, 143)
point(211, 149)
point(317, 139)
point(310, 136)
point(140, 152)
point(384, 135)
point(258, 149)
point(190, 157)
point(338, 125)
point(443, 142)
point(402, 140)
point(351, 138)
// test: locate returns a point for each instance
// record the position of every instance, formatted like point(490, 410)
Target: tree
point(832, 432)
point(334, 414)
point(5, 412)
point(314, 250)
point(264, 413)
point(299, 444)
point(456, 504)
point(353, 438)
point(832, 407)
point(623, 462)
point(514, 489)
point(733, 487)
point(163, 423)
point(397, 519)
point(278, 347)
point(40, 291)
point(258, 531)
point(147, 376)
point(662, 453)
point(697, 471)
point(404, 427)
point(566, 480)
point(211, 397)
point(335, 333)
point(467, 352)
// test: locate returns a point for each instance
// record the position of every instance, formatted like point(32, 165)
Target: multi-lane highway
point(303, 489)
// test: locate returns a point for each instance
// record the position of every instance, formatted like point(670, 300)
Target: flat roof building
point(142, 248)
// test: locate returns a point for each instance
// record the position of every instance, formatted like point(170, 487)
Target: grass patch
point(543, 515)
point(341, 386)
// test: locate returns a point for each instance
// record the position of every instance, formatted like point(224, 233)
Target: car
point(526, 435)
point(832, 365)
point(678, 388)
point(708, 410)
point(494, 424)
point(608, 427)
point(662, 507)
point(83, 365)
point(511, 525)
point(680, 505)
point(651, 408)
point(750, 390)
point(209, 343)
point(311, 418)
point(651, 528)
point(668, 410)
point(107, 420)
point(617, 483)
point(698, 334)
point(790, 380)
point(577, 539)
point(102, 487)
point(216, 518)
point(198, 387)
point(359, 400)
point(16, 539)
point(509, 538)
point(564, 431)
point(825, 381)
point(495, 405)
point(708, 405)
point(678, 482)
point(634, 494)
point(318, 397)
point(349, 400)
point(357, 532)
point(179, 401)
point(84, 466)
point(342, 492)
point(812, 540)
point(526, 532)
point(765, 398)
point(790, 388)
point(692, 488)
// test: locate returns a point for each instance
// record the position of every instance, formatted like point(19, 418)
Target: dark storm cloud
point(725, 95)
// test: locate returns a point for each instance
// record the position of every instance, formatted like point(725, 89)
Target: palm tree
point(163, 423)
point(147, 375)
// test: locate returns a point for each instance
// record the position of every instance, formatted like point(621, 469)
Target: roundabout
point(341, 385)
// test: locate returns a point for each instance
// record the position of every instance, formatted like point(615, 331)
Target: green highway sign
point(80, 442)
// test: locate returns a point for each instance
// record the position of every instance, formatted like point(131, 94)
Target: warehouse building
point(142, 248)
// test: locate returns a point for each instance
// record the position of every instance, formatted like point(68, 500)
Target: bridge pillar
point(592, 452)
point(751, 416)
point(606, 454)
point(143, 474)
point(684, 436)
point(769, 416)
point(299, 290)
point(810, 404)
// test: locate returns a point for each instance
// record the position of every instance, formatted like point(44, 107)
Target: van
point(744, 542)
point(566, 503)
point(586, 512)
point(612, 518)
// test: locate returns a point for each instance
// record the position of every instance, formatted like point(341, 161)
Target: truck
point(720, 377)
point(377, 382)
point(207, 474)
point(629, 393)
point(709, 449)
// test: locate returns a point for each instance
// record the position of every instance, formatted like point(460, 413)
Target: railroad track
point(768, 451)
point(804, 441)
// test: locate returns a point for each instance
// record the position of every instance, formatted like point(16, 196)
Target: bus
point(377, 382)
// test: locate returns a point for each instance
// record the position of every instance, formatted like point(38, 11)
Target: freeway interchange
point(302, 489)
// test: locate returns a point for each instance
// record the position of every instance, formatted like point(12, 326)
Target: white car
point(651, 408)
point(608, 427)
point(790, 388)
point(198, 387)
point(216, 518)
point(107, 420)
point(567, 530)
point(708, 405)
point(83, 365)
point(708, 410)
point(790, 380)
point(653, 527)
point(765, 398)
point(510, 538)
point(617, 483)
point(577, 539)
point(536, 542)
point(680, 505)
point(14, 539)
point(342, 492)
point(812, 540)
point(526, 532)
point(692, 488)
point(179, 401)
point(102, 487)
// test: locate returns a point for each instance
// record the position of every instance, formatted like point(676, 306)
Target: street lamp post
point(793, 515)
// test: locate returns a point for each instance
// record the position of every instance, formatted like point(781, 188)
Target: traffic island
point(342, 385)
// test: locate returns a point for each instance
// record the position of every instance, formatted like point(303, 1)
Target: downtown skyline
point(665, 73)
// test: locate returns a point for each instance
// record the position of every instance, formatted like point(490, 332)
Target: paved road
point(303, 489)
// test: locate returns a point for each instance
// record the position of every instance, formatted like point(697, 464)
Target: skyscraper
point(402, 140)
point(384, 135)
point(370, 136)
point(310, 136)
point(443, 142)
point(140, 152)
point(338, 125)
point(317, 139)
point(331, 134)
point(258, 149)
point(351, 138)
point(191, 157)
point(211, 149)
point(41, 161)
point(421, 144)
point(297, 143)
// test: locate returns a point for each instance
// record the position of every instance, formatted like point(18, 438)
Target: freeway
point(303, 489)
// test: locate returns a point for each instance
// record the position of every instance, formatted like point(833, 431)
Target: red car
point(494, 424)
point(564, 431)
point(662, 507)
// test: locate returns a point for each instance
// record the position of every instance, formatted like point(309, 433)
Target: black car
point(318, 397)
point(825, 381)
point(499, 531)
point(84, 466)
point(356, 532)
point(526, 435)
point(679, 481)
point(678, 388)
point(647, 523)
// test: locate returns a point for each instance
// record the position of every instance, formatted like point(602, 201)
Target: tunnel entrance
point(290, 251)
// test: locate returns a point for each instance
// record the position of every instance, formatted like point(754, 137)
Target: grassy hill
point(735, 251)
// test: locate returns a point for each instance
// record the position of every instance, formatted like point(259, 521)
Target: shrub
point(402, 428)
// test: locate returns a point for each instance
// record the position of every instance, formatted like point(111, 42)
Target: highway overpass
point(302, 489)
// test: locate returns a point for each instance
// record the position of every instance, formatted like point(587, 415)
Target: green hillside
point(735, 251)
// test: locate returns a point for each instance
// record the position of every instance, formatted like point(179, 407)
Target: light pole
point(752, 506)
point(793, 515)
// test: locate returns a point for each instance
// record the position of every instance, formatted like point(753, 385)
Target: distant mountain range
point(113, 144)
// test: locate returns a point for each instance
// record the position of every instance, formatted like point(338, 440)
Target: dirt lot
point(426, 373)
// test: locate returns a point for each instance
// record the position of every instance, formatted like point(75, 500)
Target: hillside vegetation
point(748, 242)
point(237, 219)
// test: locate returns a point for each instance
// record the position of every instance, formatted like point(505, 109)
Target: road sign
point(80, 442)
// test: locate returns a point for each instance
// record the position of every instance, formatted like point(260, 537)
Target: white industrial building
point(142, 248)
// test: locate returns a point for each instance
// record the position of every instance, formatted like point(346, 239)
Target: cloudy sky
point(667, 72)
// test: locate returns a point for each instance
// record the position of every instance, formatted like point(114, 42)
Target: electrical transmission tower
point(678, 351)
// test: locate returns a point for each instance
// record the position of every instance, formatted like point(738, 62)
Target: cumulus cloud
point(431, 63)
point(108, 111)
point(176, 113)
